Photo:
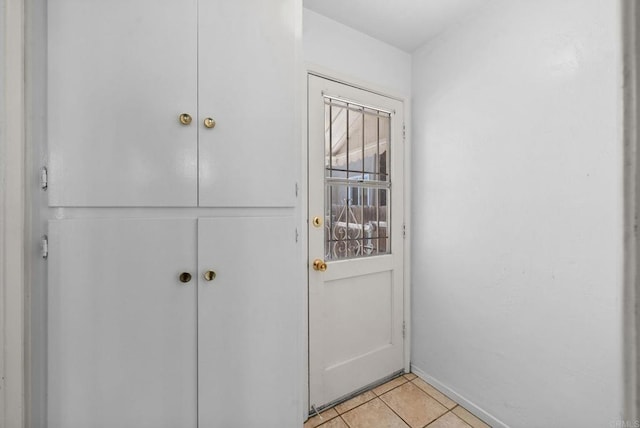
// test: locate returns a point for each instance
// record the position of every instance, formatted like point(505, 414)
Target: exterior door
point(355, 239)
point(122, 323)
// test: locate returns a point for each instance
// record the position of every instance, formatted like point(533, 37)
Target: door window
point(357, 180)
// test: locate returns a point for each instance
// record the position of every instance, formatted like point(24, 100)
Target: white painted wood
point(122, 327)
point(119, 75)
point(248, 339)
point(356, 306)
point(630, 17)
point(247, 74)
point(13, 258)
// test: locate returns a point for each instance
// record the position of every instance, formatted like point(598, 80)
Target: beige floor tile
point(466, 416)
point(374, 414)
point(355, 402)
point(449, 420)
point(443, 399)
point(324, 416)
point(414, 405)
point(334, 423)
point(385, 387)
point(409, 376)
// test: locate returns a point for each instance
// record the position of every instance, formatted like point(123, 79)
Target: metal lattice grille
point(357, 180)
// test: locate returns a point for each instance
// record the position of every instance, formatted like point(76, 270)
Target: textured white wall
point(517, 219)
point(341, 49)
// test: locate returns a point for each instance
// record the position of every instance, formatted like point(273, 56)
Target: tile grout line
point(379, 396)
point(444, 414)
point(445, 406)
point(429, 395)
point(391, 408)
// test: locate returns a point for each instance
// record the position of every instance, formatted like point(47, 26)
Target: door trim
point(312, 69)
point(630, 17)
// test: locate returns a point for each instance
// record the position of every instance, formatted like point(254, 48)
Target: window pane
point(355, 220)
point(356, 141)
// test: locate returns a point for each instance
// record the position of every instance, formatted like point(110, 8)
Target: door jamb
point(323, 72)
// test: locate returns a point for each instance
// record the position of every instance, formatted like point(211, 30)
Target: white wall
point(341, 49)
point(517, 214)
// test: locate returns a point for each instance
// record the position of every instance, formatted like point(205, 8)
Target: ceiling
point(405, 24)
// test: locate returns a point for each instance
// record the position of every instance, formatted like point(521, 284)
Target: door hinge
point(44, 247)
point(404, 131)
point(297, 234)
point(404, 329)
point(404, 231)
point(296, 189)
point(44, 178)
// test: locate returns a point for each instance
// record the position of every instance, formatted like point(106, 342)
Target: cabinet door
point(121, 325)
point(249, 323)
point(247, 82)
point(120, 73)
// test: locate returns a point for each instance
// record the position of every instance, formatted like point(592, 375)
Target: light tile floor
point(406, 401)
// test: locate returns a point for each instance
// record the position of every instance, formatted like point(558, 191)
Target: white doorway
point(356, 239)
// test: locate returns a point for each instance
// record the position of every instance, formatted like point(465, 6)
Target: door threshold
point(317, 410)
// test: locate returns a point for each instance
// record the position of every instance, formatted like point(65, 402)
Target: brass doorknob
point(185, 277)
point(317, 221)
point(319, 265)
point(209, 275)
point(185, 118)
point(209, 123)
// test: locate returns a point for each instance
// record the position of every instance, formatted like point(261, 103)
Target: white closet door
point(122, 326)
point(120, 73)
point(248, 323)
point(247, 82)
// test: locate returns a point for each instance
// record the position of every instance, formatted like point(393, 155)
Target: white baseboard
point(469, 405)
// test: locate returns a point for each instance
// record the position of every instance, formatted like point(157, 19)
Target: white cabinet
point(121, 326)
point(130, 345)
point(120, 74)
point(248, 321)
point(140, 198)
point(246, 82)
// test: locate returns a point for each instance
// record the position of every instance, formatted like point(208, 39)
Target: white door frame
point(319, 71)
point(13, 233)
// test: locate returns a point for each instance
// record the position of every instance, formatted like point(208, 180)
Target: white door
point(247, 84)
point(119, 76)
point(248, 323)
point(355, 233)
point(122, 323)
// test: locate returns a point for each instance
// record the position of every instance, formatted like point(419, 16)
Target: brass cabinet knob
point(209, 123)
point(185, 118)
point(185, 277)
point(209, 275)
point(317, 221)
point(319, 265)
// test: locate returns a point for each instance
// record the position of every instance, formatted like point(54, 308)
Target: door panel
point(121, 326)
point(249, 322)
point(374, 317)
point(119, 75)
point(356, 305)
point(247, 75)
